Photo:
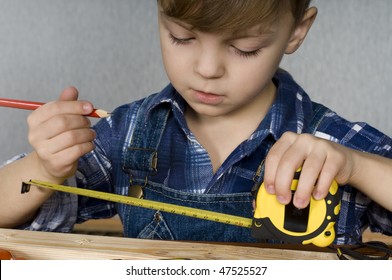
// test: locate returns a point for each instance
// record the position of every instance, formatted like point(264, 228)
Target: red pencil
point(32, 105)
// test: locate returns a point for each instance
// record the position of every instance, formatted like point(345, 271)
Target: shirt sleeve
point(61, 211)
point(360, 211)
point(58, 213)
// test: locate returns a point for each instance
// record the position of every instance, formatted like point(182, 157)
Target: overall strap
point(140, 159)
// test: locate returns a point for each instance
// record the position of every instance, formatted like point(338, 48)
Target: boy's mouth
point(207, 97)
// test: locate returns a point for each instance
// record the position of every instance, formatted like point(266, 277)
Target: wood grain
point(62, 246)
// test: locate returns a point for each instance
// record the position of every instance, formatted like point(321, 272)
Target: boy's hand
point(322, 161)
point(60, 134)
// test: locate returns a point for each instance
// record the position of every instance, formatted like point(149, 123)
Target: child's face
point(220, 74)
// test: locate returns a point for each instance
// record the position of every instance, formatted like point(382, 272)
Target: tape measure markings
point(150, 204)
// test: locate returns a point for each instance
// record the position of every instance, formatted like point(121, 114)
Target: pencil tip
point(102, 113)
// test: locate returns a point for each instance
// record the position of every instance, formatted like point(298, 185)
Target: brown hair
point(224, 15)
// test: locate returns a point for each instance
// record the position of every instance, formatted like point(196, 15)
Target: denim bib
point(139, 161)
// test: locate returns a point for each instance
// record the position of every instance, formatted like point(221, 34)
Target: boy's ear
point(299, 33)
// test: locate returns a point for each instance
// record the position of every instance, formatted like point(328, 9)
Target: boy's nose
point(209, 64)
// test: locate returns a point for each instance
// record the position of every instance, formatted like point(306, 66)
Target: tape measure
point(144, 203)
point(313, 224)
point(271, 219)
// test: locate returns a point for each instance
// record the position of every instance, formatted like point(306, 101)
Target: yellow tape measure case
point(313, 224)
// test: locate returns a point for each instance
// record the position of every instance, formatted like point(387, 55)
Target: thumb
point(69, 94)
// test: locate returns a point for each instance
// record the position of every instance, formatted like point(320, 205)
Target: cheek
point(176, 64)
point(168, 57)
point(251, 78)
point(256, 73)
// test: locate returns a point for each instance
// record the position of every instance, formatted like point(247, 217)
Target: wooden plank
point(62, 246)
point(113, 227)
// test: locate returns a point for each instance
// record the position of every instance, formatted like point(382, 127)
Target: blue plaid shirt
point(185, 165)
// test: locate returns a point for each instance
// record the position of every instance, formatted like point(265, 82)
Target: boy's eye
point(183, 41)
point(247, 54)
point(179, 41)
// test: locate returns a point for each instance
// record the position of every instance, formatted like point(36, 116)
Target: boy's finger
point(273, 160)
point(57, 125)
point(69, 94)
point(290, 162)
point(327, 175)
point(72, 94)
point(67, 140)
point(55, 108)
point(310, 172)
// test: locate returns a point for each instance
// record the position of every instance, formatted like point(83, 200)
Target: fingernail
point(317, 195)
point(282, 199)
point(87, 107)
point(94, 133)
point(270, 189)
point(300, 203)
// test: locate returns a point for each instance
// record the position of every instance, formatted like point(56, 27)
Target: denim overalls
point(139, 163)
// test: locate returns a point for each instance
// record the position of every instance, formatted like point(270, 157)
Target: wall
point(110, 51)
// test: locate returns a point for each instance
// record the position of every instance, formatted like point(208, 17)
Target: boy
point(228, 112)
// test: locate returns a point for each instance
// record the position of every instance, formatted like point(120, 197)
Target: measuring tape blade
point(149, 204)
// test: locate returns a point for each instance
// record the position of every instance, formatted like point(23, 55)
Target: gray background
point(110, 51)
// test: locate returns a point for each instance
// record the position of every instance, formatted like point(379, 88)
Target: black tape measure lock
point(311, 225)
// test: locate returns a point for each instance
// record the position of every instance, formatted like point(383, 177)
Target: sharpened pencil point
point(101, 113)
